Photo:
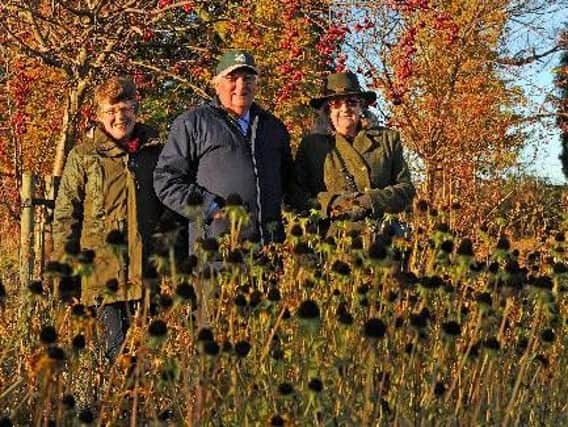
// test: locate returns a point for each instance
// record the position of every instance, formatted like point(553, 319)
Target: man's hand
point(214, 212)
point(218, 215)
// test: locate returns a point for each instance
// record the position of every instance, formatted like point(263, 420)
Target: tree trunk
point(69, 125)
point(431, 177)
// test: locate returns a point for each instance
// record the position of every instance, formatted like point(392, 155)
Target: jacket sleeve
point(299, 193)
point(287, 170)
point(304, 196)
point(397, 197)
point(176, 171)
point(68, 214)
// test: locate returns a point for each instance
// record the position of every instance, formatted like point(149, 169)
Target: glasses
point(351, 102)
point(247, 78)
point(124, 110)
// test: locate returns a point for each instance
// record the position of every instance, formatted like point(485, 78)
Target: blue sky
point(538, 30)
point(541, 155)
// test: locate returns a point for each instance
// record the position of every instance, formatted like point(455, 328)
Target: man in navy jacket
point(227, 146)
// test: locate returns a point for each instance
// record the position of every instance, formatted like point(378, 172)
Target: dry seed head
point(315, 385)
point(374, 328)
point(242, 348)
point(48, 335)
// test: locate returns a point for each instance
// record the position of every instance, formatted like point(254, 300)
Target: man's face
point(237, 90)
point(118, 119)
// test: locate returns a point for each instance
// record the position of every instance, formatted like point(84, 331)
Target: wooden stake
point(26, 229)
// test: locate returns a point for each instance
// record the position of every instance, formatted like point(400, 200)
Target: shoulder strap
point(349, 178)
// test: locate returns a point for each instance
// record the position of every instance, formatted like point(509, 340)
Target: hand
point(218, 215)
point(341, 204)
point(352, 206)
point(364, 201)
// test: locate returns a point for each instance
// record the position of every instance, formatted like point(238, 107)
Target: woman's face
point(118, 119)
point(345, 114)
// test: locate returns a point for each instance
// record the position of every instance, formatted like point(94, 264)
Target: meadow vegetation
point(463, 323)
point(358, 328)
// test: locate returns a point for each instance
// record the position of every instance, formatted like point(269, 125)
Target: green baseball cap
point(233, 60)
point(340, 85)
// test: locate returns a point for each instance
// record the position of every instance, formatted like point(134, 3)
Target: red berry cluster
point(291, 42)
point(341, 62)
point(331, 39)
point(139, 79)
point(425, 17)
point(365, 24)
point(408, 5)
point(21, 86)
point(291, 37)
point(403, 65)
point(188, 7)
point(444, 22)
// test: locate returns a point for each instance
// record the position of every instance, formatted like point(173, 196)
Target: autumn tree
point(293, 47)
point(55, 52)
point(87, 40)
point(441, 69)
point(561, 82)
point(31, 120)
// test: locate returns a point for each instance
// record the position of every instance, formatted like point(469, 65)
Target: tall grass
point(361, 328)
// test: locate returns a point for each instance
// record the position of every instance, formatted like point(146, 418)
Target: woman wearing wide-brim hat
point(350, 166)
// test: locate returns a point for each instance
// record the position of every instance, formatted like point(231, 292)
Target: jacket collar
point(253, 111)
point(367, 139)
point(363, 142)
point(109, 147)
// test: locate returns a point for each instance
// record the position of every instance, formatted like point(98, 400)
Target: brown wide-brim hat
point(342, 84)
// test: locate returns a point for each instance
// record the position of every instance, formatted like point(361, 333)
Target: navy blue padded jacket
point(207, 153)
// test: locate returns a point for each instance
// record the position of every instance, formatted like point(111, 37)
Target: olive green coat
point(374, 159)
point(104, 188)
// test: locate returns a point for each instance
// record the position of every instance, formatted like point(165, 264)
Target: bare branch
point(173, 76)
point(45, 57)
point(74, 11)
point(539, 116)
point(36, 30)
point(528, 59)
point(109, 48)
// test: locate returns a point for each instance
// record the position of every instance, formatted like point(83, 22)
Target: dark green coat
point(374, 159)
point(103, 188)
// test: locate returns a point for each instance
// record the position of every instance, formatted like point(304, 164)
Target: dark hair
point(322, 123)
